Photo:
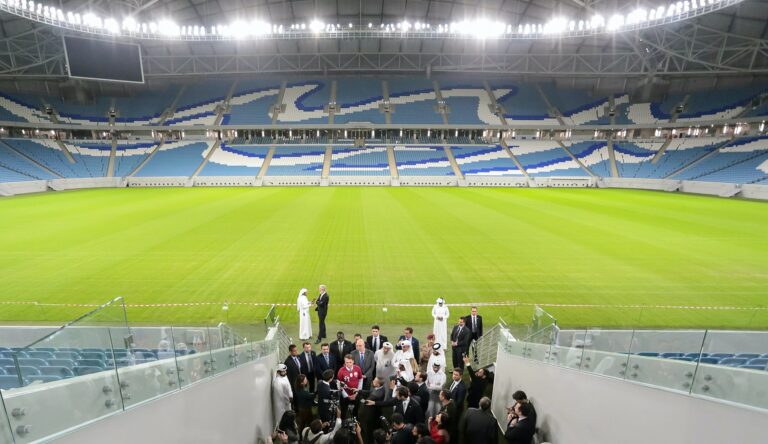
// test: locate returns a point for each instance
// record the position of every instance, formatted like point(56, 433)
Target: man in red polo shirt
point(351, 376)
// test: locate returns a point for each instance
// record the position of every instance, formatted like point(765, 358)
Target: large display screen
point(103, 60)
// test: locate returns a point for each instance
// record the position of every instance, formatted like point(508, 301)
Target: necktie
point(309, 362)
point(405, 405)
point(474, 323)
point(362, 359)
point(458, 333)
point(296, 360)
point(453, 386)
point(327, 362)
point(376, 343)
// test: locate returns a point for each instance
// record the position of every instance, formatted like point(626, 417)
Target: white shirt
point(435, 381)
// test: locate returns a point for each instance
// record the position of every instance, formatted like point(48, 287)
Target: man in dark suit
point(324, 410)
point(408, 335)
point(402, 432)
point(408, 407)
point(478, 424)
point(308, 365)
point(420, 390)
point(475, 324)
point(324, 361)
point(376, 340)
point(340, 348)
point(293, 364)
point(321, 307)
point(521, 428)
point(364, 359)
point(458, 389)
point(480, 379)
point(370, 411)
point(461, 337)
point(449, 407)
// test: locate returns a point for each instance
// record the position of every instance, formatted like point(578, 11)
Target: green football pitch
point(592, 258)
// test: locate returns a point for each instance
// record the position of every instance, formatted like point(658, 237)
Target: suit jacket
point(346, 349)
point(479, 427)
point(323, 402)
point(305, 367)
point(414, 346)
point(414, 414)
point(369, 342)
point(321, 305)
point(468, 323)
point(423, 395)
point(368, 367)
point(476, 388)
point(458, 394)
point(321, 366)
point(403, 436)
point(521, 433)
point(462, 340)
point(293, 370)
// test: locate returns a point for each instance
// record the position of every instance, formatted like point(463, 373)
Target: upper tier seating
point(21, 109)
point(197, 103)
point(358, 100)
point(522, 104)
point(742, 161)
point(176, 158)
point(297, 161)
point(578, 107)
point(544, 158)
point(305, 102)
point(251, 103)
point(96, 112)
point(484, 161)
point(413, 100)
point(366, 161)
point(422, 161)
point(237, 160)
point(144, 107)
point(92, 156)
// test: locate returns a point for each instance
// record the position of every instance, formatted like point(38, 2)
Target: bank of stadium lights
point(480, 28)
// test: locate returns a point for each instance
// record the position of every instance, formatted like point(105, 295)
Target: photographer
point(347, 436)
point(401, 433)
point(287, 431)
point(325, 397)
point(314, 433)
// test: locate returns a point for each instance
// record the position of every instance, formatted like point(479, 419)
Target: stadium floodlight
point(316, 26)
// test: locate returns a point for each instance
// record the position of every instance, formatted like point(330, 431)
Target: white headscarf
point(440, 301)
point(302, 293)
point(406, 374)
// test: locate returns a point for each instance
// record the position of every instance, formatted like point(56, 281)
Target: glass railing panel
point(537, 352)
point(669, 373)
point(570, 357)
point(746, 385)
point(223, 355)
point(194, 354)
point(6, 434)
point(605, 352)
point(148, 369)
point(733, 366)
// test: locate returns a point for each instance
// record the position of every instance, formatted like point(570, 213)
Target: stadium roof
point(732, 42)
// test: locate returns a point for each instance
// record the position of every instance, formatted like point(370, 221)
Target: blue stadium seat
point(672, 355)
point(45, 349)
point(69, 349)
point(754, 367)
point(68, 363)
point(758, 361)
point(9, 382)
point(696, 355)
point(2, 372)
point(92, 350)
point(90, 363)
point(721, 355)
point(33, 362)
point(648, 354)
point(6, 355)
point(5, 362)
point(144, 361)
point(61, 371)
point(747, 355)
point(100, 356)
point(87, 370)
point(43, 378)
point(74, 356)
point(709, 360)
point(25, 370)
point(3, 349)
point(682, 358)
point(733, 362)
point(40, 354)
point(764, 356)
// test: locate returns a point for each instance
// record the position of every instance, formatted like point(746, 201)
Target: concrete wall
point(576, 408)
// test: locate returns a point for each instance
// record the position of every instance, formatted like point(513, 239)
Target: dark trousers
point(321, 331)
point(458, 357)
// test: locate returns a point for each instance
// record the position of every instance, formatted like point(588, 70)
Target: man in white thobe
point(385, 362)
point(282, 393)
point(305, 324)
point(437, 356)
point(435, 383)
point(440, 328)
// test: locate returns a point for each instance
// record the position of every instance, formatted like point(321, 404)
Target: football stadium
point(383, 221)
